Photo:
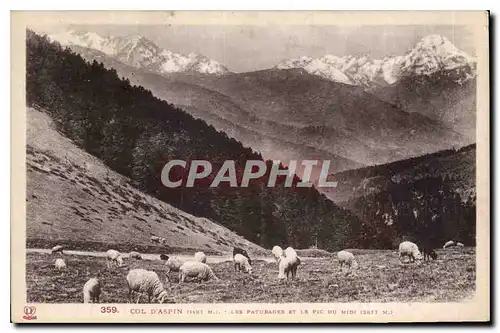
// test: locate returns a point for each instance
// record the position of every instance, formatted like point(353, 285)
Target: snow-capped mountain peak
point(140, 52)
point(431, 54)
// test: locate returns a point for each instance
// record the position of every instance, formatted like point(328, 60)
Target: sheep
point(57, 248)
point(173, 264)
point(289, 251)
point(428, 250)
point(91, 291)
point(448, 244)
point(237, 250)
point(242, 261)
point(410, 250)
point(135, 255)
point(288, 263)
point(196, 269)
point(113, 256)
point(155, 239)
point(277, 252)
point(60, 264)
point(347, 258)
point(163, 257)
point(146, 282)
point(460, 244)
point(201, 257)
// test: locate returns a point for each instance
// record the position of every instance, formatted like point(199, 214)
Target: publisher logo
point(29, 312)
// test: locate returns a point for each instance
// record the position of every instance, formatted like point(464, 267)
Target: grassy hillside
point(73, 198)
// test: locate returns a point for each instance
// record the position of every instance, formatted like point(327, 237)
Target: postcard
point(233, 166)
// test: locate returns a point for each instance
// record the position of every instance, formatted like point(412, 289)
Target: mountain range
point(431, 54)
point(140, 52)
point(433, 78)
point(123, 123)
point(368, 114)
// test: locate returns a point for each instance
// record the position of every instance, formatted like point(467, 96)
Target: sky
point(249, 48)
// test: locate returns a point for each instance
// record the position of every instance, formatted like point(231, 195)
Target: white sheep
point(240, 261)
point(410, 250)
point(60, 264)
point(460, 244)
point(57, 248)
point(201, 257)
point(135, 255)
point(290, 252)
point(288, 263)
point(277, 252)
point(173, 264)
point(142, 281)
point(448, 244)
point(91, 291)
point(347, 258)
point(196, 269)
point(113, 257)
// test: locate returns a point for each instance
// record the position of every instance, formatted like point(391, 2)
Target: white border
point(214, 4)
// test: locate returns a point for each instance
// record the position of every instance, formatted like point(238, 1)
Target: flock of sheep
point(145, 282)
point(148, 283)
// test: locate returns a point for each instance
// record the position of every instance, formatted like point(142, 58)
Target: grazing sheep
point(410, 250)
point(60, 264)
point(288, 263)
point(155, 239)
point(163, 257)
point(135, 255)
point(91, 291)
point(201, 257)
point(460, 244)
point(197, 270)
point(173, 264)
point(57, 248)
point(428, 251)
point(146, 282)
point(237, 250)
point(240, 261)
point(290, 252)
point(347, 258)
point(113, 257)
point(277, 252)
point(448, 244)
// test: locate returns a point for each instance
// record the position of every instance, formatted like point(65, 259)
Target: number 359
point(109, 309)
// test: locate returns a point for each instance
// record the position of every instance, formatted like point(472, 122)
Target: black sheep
point(428, 251)
point(237, 250)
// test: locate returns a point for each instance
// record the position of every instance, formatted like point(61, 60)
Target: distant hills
point(433, 78)
point(396, 201)
point(456, 167)
point(134, 134)
point(291, 114)
point(400, 133)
